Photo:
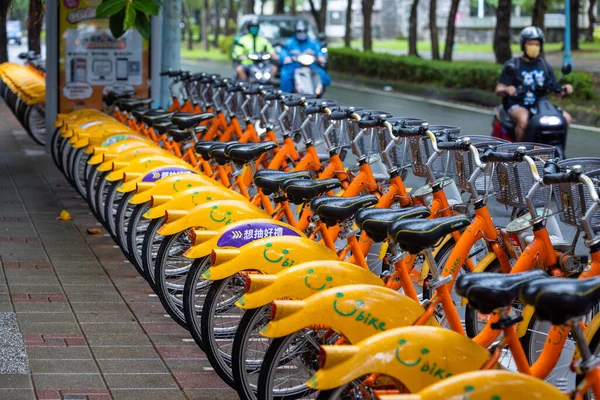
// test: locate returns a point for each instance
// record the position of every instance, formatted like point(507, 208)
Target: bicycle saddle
point(163, 126)
point(376, 221)
point(269, 179)
point(111, 97)
point(154, 115)
point(178, 135)
point(138, 113)
point(415, 235)
point(187, 120)
point(249, 152)
point(557, 300)
point(203, 148)
point(333, 210)
point(489, 291)
point(130, 104)
point(300, 191)
point(218, 152)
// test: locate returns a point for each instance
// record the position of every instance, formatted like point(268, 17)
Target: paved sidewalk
point(87, 325)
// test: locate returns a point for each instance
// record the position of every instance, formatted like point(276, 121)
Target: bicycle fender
point(97, 141)
point(131, 180)
point(490, 384)
point(237, 235)
point(268, 256)
point(189, 199)
point(125, 158)
point(417, 356)
point(171, 187)
point(116, 148)
point(304, 280)
point(355, 311)
point(142, 160)
point(210, 215)
point(425, 268)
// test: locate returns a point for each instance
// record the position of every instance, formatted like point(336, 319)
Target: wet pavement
point(76, 319)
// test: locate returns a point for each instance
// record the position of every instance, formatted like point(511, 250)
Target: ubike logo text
point(420, 362)
point(357, 314)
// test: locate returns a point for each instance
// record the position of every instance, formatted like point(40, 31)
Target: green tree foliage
point(125, 14)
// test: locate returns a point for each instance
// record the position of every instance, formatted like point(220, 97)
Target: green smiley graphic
point(327, 279)
point(359, 303)
point(227, 214)
point(268, 246)
point(402, 342)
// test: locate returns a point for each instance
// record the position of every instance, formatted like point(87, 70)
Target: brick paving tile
point(91, 326)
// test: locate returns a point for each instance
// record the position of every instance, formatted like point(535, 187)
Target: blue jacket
point(293, 45)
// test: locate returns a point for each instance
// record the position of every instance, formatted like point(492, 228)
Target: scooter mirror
point(566, 69)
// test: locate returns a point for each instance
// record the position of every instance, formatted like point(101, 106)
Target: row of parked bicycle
point(279, 231)
point(23, 87)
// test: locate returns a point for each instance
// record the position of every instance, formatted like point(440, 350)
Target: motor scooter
point(547, 123)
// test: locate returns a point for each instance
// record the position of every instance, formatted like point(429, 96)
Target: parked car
point(14, 33)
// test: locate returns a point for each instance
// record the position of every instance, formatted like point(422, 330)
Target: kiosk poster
point(92, 61)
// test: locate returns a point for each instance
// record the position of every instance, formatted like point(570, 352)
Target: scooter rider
point(300, 43)
point(530, 67)
point(252, 42)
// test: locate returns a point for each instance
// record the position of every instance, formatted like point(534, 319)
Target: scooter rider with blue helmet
point(300, 43)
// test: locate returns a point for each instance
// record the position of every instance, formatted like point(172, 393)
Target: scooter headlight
point(267, 75)
point(550, 120)
point(258, 75)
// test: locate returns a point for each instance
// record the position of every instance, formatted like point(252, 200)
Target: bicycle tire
point(92, 184)
point(137, 224)
point(124, 211)
point(245, 370)
point(55, 143)
point(101, 191)
point(194, 292)
point(151, 243)
point(78, 168)
point(111, 203)
point(168, 250)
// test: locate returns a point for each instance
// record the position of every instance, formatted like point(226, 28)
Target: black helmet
point(531, 33)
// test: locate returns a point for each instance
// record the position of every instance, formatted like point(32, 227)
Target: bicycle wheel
point(354, 390)
point(92, 184)
point(170, 270)
point(56, 142)
point(150, 246)
point(111, 204)
point(194, 294)
point(78, 170)
point(289, 362)
point(249, 349)
point(219, 321)
point(36, 123)
point(124, 211)
point(533, 342)
point(102, 190)
point(138, 225)
point(64, 154)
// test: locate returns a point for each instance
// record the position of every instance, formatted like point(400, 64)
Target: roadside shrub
point(456, 75)
point(225, 44)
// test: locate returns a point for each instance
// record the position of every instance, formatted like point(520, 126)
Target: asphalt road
point(580, 143)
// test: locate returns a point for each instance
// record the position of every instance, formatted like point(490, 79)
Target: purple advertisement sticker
point(164, 172)
point(242, 234)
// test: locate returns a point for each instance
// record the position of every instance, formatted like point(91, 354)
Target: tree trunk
point(230, 20)
point(589, 33)
point(412, 29)
point(367, 6)
point(187, 19)
point(575, 24)
point(451, 30)
point(320, 16)
point(279, 7)
point(34, 27)
point(293, 7)
point(206, 12)
point(539, 9)
point(217, 23)
point(502, 33)
point(435, 48)
point(249, 7)
point(4, 7)
point(348, 33)
point(198, 18)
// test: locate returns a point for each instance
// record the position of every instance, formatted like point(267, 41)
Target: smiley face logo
point(311, 271)
point(197, 202)
point(213, 209)
point(339, 295)
point(411, 363)
point(268, 247)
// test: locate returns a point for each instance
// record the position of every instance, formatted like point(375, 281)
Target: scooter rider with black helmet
point(529, 68)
